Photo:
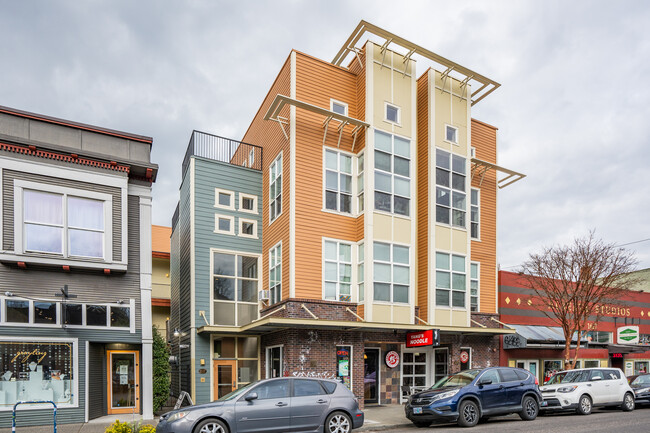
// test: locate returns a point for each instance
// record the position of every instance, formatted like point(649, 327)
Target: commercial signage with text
point(423, 338)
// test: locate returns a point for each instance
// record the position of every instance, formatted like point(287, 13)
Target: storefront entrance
point(371, 376)
point(224, 377)
point(532, 366)
point(123, 381)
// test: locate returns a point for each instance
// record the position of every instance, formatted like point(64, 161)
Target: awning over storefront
point(626, 348)
point(270, 324)
point(538, 335)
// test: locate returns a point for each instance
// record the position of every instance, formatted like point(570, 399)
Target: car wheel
point(421, 424)
point(211, 425)
point(468, 415)
point(338, 422)
point(628, 403)
point(584, 405)
point(530, 409)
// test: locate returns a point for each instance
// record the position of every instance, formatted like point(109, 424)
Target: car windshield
point(459, 379)
point(642, 380)
point(569, 377)
point(236, 392)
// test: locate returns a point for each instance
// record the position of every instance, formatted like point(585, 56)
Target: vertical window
point(275, 188)
point(275, 273)
point(414, 370)
point(224, 199)
point(451, 134)
point(361, 271)
point(474, 289)
point(391, 273)
point(450, 189)
point(338, 181)
point(474, 213)
point(339, 107)
point(450, 280)
point(360, 186)
point(234, 289)
point(251, 158)
point(392, 114)
point(337, 271)
point(392, 173)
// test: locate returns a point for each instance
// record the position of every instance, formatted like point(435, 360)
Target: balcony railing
point(224, 150)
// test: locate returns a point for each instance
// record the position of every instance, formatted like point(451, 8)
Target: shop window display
point(36, 371)
point(343, 367)
point(550, 368)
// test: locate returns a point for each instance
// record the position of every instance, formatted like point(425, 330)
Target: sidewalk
point(97, 425)
point(384, 417)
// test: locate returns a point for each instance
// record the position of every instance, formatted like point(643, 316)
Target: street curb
point(382, 427)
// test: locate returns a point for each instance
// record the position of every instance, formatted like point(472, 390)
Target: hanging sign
point(423, 338)
point(464, 357)
point(627, 335)
point(392, 359)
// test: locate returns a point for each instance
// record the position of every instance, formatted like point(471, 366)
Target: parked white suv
point(582, 389)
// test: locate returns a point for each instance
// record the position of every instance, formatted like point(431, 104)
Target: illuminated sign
point(423, 338)
point(617, 355)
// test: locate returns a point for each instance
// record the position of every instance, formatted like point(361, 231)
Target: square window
point(392, 113)
point(72, 314)
point(120, 317)
point(95, 315)
point(224, 224)
point(339, 107)
point(17, 311)
point(45, 312)
point(247, 228)
point(224, 199)
point(451, 134)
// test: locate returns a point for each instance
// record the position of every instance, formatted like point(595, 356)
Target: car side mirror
point(594, 379)
point(485, 381)
point(250, 397)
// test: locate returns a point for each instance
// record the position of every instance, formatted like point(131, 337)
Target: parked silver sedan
point(276, 405)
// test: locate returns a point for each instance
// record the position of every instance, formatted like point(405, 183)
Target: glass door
point(123, 381)
point(531, 366)
point(371, 376)
point(224, 377)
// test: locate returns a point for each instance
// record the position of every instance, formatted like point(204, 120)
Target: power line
point(635, 242)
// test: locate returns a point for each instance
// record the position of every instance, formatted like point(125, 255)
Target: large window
point(234, 289)
point(63, 224)
point(450, 280)
point(474, 282)
point(450, 189)
point(392, 173)
point(474, 213)
point(338, 181)
point(337, 271)
point(37, 371)
point(275, 188)
point(391, 273)
point(275, 273)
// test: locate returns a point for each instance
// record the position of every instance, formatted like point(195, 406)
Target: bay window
point(391, 273)
point(337, 271)
point(392, 174)
point(451, 198)
point(450, 280)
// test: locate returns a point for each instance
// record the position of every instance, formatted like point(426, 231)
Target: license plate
point(417, 410)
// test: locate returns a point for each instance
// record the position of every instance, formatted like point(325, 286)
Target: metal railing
point(222, 149)
point(13, 414)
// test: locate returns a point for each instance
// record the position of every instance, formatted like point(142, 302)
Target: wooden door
point(224, 375)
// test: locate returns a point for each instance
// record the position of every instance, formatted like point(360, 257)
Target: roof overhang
point(466, 76)
point(480, 167)
point(273, 113)
point(270, 324)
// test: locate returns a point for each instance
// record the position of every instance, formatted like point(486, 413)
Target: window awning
point(537, 335)
point(480, 167)
point(273, 113)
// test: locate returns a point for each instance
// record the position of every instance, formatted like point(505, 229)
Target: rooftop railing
point(223, 150)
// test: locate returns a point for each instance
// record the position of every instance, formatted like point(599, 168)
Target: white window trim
point(352, 264)
point(267, 370)
point(392, 264)
point(358, 277)
point(469, 352)
point(218, 191)
point(235, 302)
point(353, 182)
point(399, 113)
point(467, 278)
point(278, 246)
point(19, 238)
point(451, 190)
point(359, 174)
point(272, 199)
point(232, 224)
point(393, 176)
point(75, 372)
point(335, 101)
point(478, 289)
point(253, 197)
point(477, 238)
point(455, 128)
point(241, 228)
point(251, 157)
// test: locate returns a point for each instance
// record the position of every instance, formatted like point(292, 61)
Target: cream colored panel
point(442, 317)
point(401, 314)
point(383, 229)
point(381, 95)
point(402, 98)
point(459, 318)
point(402, 230)
point(459, 241)
point(459, 112)
point(604, 363)
point(512, 363)
point(381, 313)
point(443, 238)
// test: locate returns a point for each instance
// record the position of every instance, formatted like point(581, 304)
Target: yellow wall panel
point(443, 238)
point(401, 314)
point(459, 241)
point(441, 317)
point(381, 313)
point(402, 230)
point(383, 229)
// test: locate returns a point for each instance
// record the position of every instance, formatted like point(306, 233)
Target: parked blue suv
point(471, 395)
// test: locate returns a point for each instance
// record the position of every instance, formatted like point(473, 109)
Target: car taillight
point(536, 381)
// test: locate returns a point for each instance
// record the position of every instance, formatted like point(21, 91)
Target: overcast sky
point(573, 109)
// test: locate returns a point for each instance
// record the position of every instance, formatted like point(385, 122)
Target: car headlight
point(641, 390)
point(567, 389)
point(176, 416)
point(445, 395)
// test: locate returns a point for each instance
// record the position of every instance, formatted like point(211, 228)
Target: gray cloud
point(571, 111)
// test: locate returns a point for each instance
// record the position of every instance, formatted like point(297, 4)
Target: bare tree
point(571, 281)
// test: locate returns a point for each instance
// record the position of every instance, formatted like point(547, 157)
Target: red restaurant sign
point(417, 339)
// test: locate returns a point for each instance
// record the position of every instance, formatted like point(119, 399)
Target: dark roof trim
point(69, 123)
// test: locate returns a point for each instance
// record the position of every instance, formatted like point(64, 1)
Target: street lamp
point(178, 334)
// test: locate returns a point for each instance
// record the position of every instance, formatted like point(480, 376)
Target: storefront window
point(120, 317)
point(17, 311)
point(550, 368)
point(343, 365)
point(640, 367)
point(36, 371)
point(414, 370)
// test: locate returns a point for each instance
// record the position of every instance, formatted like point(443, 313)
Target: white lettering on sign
point(318, 375)
point(392, 359)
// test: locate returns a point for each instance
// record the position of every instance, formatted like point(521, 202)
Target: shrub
point(161, 383)
point(130, 427)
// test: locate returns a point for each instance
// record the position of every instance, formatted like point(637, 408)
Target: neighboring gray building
point(76, 216)
point(216, 262)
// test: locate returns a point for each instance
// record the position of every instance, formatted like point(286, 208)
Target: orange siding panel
point(422, 225)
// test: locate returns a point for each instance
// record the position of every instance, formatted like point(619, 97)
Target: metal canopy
point(273, 113)
point(485, 85)
point(270, 324)
point(480, 167)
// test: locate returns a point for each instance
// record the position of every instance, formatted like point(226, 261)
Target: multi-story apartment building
point(75, 269)
point(375, 222)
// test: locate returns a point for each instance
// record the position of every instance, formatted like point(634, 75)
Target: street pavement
point(600, 421)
